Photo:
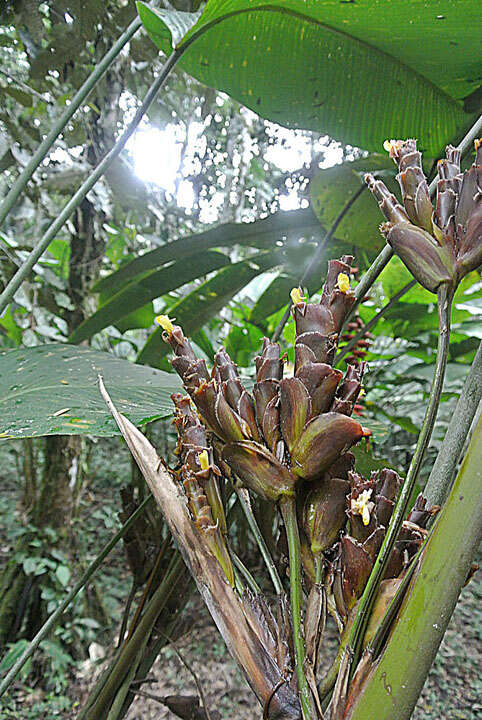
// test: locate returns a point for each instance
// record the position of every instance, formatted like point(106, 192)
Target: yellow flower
point(343, 282)
point(165, 322)
point(362, 506)
point(204, 459)
point(296, 296)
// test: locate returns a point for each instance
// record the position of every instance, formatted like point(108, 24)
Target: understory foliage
point(291, 484)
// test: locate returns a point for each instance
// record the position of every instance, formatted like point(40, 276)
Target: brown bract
point(439, 246)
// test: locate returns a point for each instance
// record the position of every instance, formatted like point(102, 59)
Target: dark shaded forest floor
point(453, 690)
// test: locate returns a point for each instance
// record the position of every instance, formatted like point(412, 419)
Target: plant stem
point(443, 470)
point(124, 689)
point(327, 683)
point(445, 295)
point(125, 615)
point(288, 510)
point(97, 173)
point(244, 500)
point(371, 323)
point(321, 246)
point(55, 617)
point(381, 633)
point(245, 572)
point(114, 682)
point(78, 99)
point(367, 280)
point(319, 569)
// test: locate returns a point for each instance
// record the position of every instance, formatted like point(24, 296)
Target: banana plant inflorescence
point(351, 540)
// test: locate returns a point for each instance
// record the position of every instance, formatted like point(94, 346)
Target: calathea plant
point(288, 442)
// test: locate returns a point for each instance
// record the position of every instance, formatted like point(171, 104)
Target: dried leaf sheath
point(236, 625)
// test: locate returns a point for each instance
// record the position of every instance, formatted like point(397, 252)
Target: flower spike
point(439, 246)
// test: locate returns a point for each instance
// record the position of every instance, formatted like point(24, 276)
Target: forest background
point(205, 170)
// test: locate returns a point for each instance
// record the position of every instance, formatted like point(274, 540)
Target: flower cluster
point(291, 437)
point(439, 246)
point(291, 429)
point(200, 478)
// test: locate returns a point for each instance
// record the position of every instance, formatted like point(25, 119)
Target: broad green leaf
point(53, 390)
point(176, 24)
point(279, 228)
point(333, 188)
point(358, 233)
point(135, 295)
point(395, 276)
point(366, 463)
point(203, 303)
point(242, 343)
point(10, 327)
point(473, 329)
point(141, 318)
point(12, 655)
point(404, 422)
point(360, 72)
point(276, 295)
point(18, 95)
point(455, 372)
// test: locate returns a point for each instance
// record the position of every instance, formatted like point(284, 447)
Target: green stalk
point(243, 498)
point(52, 621)
point(123, 691)
point(392, 688)
point(245, 572)
point(381, 633)
point(97, 173)
point(129, 652)
point(327, 682)
point(288, 510)
point(78, 99)
point(443, 470)
point(445, 295)
point(319, 569)
point(152, 651)
point(379, 264)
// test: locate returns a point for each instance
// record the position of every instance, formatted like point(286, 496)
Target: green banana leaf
point(203, 303)
point(357, 233)
point(331, 190)
point(150, 286)
point(281, 227)
point(358, 71)
point(53, 390)
point(274, 297)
